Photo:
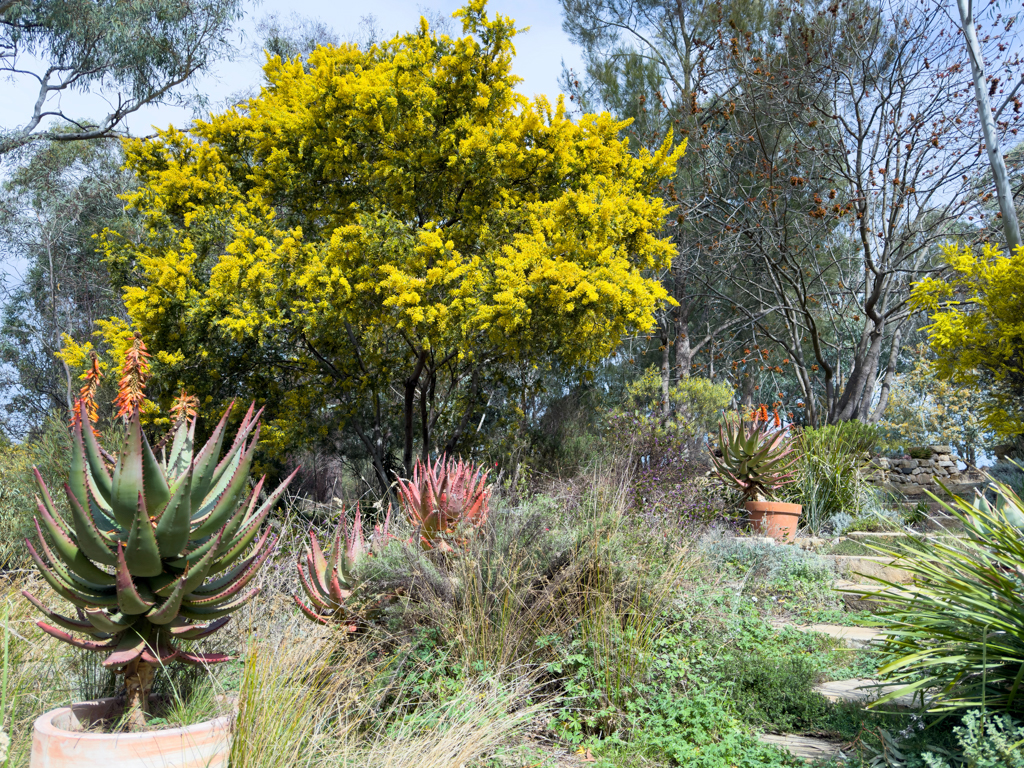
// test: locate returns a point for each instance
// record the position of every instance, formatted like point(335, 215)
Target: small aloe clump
point(755, 458)
point(443, 498)
point(157, 550)
point(331, 582)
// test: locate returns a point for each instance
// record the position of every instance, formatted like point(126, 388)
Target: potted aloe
point(158, 552)
point(756, 459)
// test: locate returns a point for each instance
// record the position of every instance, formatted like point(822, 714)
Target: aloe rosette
point(755, 459)
point(331, 580)
point(443, 497)
point(157, 550)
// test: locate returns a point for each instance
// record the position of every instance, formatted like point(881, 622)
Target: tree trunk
point(684, 354)
point(409, 411)
point(1011, 227)
point(666, 374)
point(138, 679)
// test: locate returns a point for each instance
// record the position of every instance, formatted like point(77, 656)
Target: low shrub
point(985, 741)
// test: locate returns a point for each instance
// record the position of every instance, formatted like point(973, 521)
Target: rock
point(907, 470)
point(946, 463)
point(940, 448)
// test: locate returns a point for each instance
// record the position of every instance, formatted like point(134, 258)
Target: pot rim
point(776, 507)
point(44, 725)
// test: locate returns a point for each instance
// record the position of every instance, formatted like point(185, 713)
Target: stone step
point(862, 569)
point(863, 690)
point(850, 637)
point(806, 748)
point(866, 597)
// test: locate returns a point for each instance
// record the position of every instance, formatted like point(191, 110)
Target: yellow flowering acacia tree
point(383, 234)
point(977, 330)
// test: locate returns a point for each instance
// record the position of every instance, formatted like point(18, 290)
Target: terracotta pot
point(776, 518)
point(56, 743)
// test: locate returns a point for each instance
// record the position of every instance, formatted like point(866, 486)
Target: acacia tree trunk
point(1011, 227)
point(138, 679)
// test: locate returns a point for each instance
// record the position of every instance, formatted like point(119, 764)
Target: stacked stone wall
point(917, 475)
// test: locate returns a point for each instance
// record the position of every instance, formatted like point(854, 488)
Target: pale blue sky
point(540, 53)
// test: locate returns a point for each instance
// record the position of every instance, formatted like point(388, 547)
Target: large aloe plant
point(157, 551)
point(442, 498)
point(755, 458)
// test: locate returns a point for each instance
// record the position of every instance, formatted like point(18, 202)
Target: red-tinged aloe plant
point(157, 551)
point(443, 499)
point(331, 582)
point(755, 458)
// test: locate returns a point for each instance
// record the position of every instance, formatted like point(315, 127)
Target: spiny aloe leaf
point(76, 596)
point(88, 645)
point(259, 552)
point(200, 613)
point(220, 509)
point(206, 462)
point(103, 583)
point(58, 619)
point(130, 599)
point(167, 612)
point(161, 655)
point(132, 644)
point(249, 530)
point(310, 612)
point(192, 631)
point(180, 457)
point(142, 553)
point(172, 528)
point(128, 478)
point(68, 551)
point(109, 623)
point(197, 574)
point(249, 422)
point(153, 479)
point(94, 458)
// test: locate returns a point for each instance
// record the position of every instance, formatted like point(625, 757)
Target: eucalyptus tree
point(57, 197)
point(138, 53)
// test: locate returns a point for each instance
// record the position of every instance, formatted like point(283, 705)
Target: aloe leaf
point(77, 596)
point(132, 644)
point(197, 574)
point(111, 624)
point(206, 462)
point(193, 632)
point(195, 555)
point(249, 422)
point(260, 552)
point(180, 457)
point(309, 612)
point(59, 620)
point(103, 582)
point(251, 527)
point(130, 599)
point(91, 451)
point(153, 479)
point(234, 587)
point(92, 541)
point(217, 513)
point(200, 613)
point(172, 528)
point(142, 553)
point(204, 659)
point(128, 476)
point(168, 611)
point(88, 645)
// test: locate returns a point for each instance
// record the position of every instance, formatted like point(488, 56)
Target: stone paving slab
point(864, 690)
point(851, 637)
point(805, 747)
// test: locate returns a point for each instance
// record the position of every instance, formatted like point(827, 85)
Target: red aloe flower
point(87, 396)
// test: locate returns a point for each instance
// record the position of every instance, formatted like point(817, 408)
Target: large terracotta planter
point(776, 518)
point(56, 743)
